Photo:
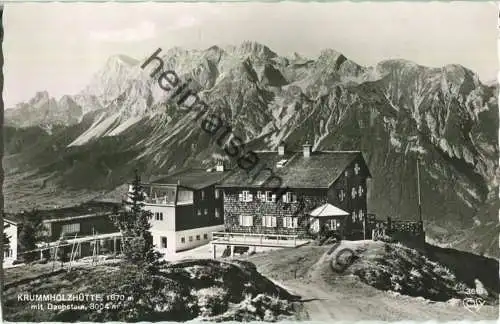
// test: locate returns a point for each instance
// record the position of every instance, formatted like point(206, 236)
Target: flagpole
point(419, 193)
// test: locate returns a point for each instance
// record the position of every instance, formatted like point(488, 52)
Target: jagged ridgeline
point(394, 112)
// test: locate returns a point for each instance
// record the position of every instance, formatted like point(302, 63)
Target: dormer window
point(281, 163)
point(356, 169)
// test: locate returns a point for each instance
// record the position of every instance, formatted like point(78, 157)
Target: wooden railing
point(252, 238)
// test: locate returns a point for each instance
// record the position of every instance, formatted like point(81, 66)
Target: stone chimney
point(306, 148)
point(281, 148)
point(220, 166)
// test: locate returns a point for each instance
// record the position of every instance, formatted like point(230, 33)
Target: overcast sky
point(57, 47)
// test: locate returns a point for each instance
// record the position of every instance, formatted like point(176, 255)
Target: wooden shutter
point(295, 222)
point(273, 221)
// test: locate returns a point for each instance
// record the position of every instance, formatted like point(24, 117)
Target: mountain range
point(396, 112)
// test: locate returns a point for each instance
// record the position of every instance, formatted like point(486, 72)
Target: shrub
point(212, 301)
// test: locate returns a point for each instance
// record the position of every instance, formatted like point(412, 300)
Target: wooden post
point(295, 241)
point(232, 251)
point(214, 247)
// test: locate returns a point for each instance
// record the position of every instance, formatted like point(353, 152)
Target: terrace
point(255, 240)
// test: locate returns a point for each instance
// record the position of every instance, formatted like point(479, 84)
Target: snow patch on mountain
point(101, 127)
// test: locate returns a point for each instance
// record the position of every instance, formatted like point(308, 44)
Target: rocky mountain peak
point(256, 49)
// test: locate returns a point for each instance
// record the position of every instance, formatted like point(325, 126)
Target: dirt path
point(328, 296)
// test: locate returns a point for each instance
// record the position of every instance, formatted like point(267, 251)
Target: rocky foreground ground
point(384, 281)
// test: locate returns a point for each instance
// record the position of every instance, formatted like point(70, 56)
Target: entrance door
point(163, 242)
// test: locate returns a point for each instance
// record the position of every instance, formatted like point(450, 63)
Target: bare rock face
point(395, 112)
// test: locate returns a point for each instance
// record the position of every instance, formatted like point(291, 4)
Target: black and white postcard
point(280, 161)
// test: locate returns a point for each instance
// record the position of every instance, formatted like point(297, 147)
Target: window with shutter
point(240, 197)
point(273, 198)
point(246, 220)
point(269, 221)
point(295, 222)
point(249, 197)
point(361, 191)
point(217, 193)
point(354, 219)
point(341, 195)
point(353, 193)
point(287, 197)
point(269, 196)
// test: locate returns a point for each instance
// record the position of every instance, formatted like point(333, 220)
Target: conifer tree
point(32, 231)
point(134, 224)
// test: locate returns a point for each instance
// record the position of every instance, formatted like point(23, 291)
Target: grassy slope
point(347, 296)
point(194, 285)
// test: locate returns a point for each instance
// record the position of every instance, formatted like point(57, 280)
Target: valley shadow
point(467, 267)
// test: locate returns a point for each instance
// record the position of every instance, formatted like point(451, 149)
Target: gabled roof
point(87, 209)
point(192, 178)
point(11, 220)
point(328, 210)
point(320, 170)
